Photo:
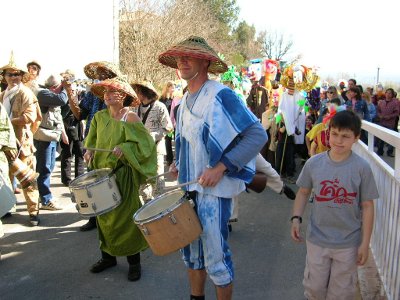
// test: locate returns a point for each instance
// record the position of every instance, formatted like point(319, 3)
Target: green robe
point(118, 234)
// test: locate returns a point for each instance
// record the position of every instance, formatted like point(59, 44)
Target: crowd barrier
point(385, 241)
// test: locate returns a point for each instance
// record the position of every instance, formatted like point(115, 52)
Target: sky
point(59, 35)
point(341, 38)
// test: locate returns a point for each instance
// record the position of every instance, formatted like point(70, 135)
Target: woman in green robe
point(134, 158)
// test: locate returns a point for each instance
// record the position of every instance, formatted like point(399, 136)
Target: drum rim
point(107, 177)
point(161, 214)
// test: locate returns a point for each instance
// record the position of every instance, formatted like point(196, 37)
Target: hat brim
point(33, 63)
point(151, 89)
point(168, 58)
point(98, 89)
point(91, 70)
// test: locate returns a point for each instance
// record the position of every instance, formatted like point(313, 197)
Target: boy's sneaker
point(288, 192)
point(51, 206)
point(34, 219)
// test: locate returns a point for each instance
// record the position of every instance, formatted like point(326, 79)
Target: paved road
point(52, 261)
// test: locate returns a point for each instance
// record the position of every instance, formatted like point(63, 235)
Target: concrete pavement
point(52, 261)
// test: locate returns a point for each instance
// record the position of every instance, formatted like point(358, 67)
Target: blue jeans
point(46, 160)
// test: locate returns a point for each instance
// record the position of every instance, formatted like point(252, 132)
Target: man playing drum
point(217, 139)
point(133, 159)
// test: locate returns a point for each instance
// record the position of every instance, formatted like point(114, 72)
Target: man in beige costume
point(24, 112)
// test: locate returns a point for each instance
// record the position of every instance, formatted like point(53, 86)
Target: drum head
point(90, 177)
point(159, 206)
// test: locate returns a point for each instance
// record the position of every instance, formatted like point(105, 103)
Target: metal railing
point(385, 241)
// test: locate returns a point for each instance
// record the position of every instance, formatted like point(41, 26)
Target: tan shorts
point(330, 273)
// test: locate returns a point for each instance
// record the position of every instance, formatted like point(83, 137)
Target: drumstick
point(182, 184)
point(98, 149)
point(154, 177)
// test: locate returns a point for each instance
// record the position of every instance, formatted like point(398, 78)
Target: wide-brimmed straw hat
point(116, 83)
point(193, 47)
point(91, 70)
point(13, 66)
point(145, 84)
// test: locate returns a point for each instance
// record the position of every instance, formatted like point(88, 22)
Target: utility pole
point(377, 76)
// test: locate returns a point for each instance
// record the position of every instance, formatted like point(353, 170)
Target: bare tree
point(147, 28)
point(275, 45)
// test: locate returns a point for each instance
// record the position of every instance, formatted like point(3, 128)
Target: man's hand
point(211, 176)
point(64, 137)
point(173, 170)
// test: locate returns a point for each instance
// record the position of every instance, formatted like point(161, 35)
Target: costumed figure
point(296, 79)
point(270, 67)
point(133, 160)
point(258, 98)
point(233, 79)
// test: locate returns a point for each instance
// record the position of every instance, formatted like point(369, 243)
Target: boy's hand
point(295, 231)
point(362, 254)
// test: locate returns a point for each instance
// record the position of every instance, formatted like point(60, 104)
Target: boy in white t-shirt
point(342, 214)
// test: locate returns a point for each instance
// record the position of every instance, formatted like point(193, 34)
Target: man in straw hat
point(155, 117)
point(217, 139)
point(90, 104)
point(23, 109)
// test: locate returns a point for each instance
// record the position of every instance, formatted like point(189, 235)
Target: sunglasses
point(34, 68)
point(13, 74)
point(330, 92)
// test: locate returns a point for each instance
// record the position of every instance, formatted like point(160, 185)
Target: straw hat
point(146, 84)
point(116, 83)
point(13, 66)
point(193, 47)
point(91, 70)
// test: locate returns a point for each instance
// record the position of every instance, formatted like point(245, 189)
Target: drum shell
point(25, 175)
point(7, 197)
point(97, 197)
point(171, 230)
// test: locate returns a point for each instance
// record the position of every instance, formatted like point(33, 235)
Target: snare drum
point(7, 197)
point(95, 192)
point(168, 222)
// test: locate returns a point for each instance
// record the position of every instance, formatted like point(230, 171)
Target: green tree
point(245, 40)
point(226, 11)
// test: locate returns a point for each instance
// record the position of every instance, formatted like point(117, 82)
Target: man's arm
point(366, 230)
point(48, 98)
point(251, 142)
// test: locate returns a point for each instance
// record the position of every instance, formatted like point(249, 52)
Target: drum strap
point(146, 114)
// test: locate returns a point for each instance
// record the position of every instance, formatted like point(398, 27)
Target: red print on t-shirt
point(331, 191)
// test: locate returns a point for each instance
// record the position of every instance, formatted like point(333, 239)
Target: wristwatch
point(296, 217)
